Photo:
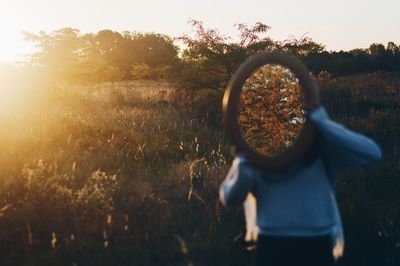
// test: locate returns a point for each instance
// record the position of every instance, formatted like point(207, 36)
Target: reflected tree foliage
point(270, 111)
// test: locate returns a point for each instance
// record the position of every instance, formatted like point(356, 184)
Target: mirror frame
point(231, 100)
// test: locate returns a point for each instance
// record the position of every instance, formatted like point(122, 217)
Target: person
point(297, 218)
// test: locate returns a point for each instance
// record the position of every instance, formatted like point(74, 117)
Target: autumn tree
point(270, 110)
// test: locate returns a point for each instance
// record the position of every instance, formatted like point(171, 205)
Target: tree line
point(68, 55)
point(205, 60)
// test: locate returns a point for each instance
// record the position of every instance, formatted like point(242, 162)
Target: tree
point(392, 48)
point(155, 52)
point(211, 58)
point(59, 52)
point(304, 46)
point(270, 110)
point(68, 56)
point(377, 49)
point(131, 49)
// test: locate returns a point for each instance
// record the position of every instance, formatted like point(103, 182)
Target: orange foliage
point(270, 109)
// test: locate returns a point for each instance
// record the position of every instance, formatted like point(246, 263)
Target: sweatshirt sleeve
point(237, 184)
point(343, 148)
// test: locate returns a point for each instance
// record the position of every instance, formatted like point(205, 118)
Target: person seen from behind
point(297, 221)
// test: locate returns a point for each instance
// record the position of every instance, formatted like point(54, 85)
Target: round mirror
point(263, 107)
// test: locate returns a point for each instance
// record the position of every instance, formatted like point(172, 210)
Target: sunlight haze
point(121, 119)
point(336, 24)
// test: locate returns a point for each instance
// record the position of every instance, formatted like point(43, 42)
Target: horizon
point(340, 27)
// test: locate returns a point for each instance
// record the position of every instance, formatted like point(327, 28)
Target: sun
point(13, 86)
point(13, 47)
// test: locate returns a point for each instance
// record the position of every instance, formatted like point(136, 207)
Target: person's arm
point(237, 184)
point(343, 148)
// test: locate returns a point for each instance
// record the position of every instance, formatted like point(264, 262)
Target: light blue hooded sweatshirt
point(299, 201)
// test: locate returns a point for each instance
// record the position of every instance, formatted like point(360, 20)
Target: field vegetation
point(112, 148)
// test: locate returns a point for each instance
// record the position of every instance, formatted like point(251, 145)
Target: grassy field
point(99, 175)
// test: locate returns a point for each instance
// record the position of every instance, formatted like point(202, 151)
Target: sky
point(339, 24)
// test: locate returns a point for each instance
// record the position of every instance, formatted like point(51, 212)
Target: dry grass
point(104, 169)
point(99, 175)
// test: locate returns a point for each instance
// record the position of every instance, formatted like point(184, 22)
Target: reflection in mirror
point(270, 110)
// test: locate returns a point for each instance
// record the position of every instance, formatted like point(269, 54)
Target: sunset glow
point(113, 138)
point(339, 25)
point(13, 47)
point(14, 90)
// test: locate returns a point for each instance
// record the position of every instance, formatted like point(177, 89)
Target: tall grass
point(99, 175)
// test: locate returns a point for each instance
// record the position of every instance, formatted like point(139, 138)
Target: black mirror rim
point(231, 101)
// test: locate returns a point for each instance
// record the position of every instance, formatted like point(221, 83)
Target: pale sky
point(339, 24)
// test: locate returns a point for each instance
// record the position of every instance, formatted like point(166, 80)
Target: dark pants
point(294, 251)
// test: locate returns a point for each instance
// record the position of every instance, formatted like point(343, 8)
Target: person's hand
point(314, 98)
